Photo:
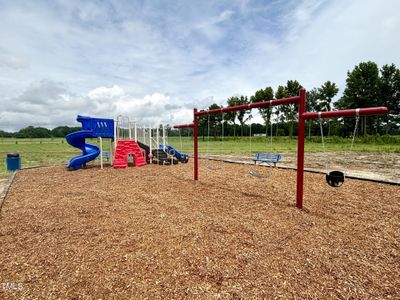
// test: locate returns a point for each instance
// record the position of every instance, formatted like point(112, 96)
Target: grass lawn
point(243, 145)
point(38, 152)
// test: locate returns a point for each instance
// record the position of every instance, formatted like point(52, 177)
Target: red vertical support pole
point(300, 150)
point(195, 144)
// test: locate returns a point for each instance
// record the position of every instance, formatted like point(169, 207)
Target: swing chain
point(250, 117)
point(271, 125)
point(222, 132)
point(354, 132)
point(323, 143)
point(208, 134)
point(180, 138)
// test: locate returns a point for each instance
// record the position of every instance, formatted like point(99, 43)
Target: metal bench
point(267, 158)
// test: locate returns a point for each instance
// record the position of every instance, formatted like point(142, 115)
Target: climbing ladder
point(123, 149)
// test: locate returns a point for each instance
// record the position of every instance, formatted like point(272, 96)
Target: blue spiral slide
point(89, 152)
point(91, 128)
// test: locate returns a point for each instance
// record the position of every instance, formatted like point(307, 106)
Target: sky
point(155, 60)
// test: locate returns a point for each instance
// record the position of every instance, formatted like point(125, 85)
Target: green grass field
point(41, 152)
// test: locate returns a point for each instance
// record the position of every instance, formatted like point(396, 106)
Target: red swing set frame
point(303, 116)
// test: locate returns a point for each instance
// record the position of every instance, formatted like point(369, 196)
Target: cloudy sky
point(156, 60)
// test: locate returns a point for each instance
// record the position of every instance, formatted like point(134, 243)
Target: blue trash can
point(13, 162)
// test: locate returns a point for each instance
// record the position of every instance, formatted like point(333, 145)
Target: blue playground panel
point(99, 127)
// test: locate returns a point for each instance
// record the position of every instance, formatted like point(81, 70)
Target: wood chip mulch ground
point(152, 232)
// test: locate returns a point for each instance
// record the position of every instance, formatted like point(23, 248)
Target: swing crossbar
point(369, 111)
point(184, 126)
point(267, 158)
point(261, 104)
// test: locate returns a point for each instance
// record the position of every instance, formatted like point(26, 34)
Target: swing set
point(334, 178)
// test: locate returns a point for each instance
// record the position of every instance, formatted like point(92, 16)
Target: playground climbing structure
point(131, 144)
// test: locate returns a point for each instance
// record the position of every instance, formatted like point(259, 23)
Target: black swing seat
point(335, 178)
point(267, 157)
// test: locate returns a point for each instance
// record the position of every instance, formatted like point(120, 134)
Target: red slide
point(121, 154)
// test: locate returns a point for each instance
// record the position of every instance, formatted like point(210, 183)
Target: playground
point(150, 232)
point(148, 222)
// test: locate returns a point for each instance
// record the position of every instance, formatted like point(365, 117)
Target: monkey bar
point(303, 115)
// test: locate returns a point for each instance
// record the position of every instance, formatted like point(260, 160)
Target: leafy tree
point(313, 97)
point(389, 96)
point(293, 87)
point(33, 132)
point(326, 93)
point(215, 120)
point(242, 113)
point(230, 117)
point(280, 93)
point(361, 90)
point(62, 131)
point(203, 125)
point(290, 111)
point(264, 95)
point(5, 134)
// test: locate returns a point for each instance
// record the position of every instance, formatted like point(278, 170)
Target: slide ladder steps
point(125, 147)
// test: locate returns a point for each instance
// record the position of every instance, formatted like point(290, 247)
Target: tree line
point(366, 85)
point(39, 132)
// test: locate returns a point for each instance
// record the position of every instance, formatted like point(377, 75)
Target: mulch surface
point(152, 232)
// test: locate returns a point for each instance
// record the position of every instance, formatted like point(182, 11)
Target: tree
point(203, 125)
point(290, 110)
point(312, 105)
point(5, 134)
point(215, 120)
point(326, 93)
point(279, 94)
point(231, 116)
point(313, 98)
point(33, 132)
point(361, 90)
point(389, 96)
point(62, 131)
point(242, 113)
point(263, 95)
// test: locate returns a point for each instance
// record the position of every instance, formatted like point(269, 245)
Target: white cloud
point(51, 105)
point(106, 93)
point(12, 60)
point(225, 15)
